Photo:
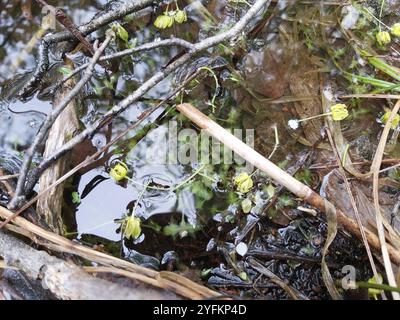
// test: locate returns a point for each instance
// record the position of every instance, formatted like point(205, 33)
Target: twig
point(8, 177)
point(120, 54)
point(69, 246)
point(293, 293)
point(277, 174)
point(64, 279)
point(94, 156)
point(147, 85)
point(49, 122)
point(43, 61)
point(69, 25)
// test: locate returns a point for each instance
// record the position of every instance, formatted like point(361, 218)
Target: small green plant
point(182, 229)
point(121, 32)
point(383, 38)
point(373, 293)
point(119, 172)
point(338, 112)
point(395, 30)
point(64, 71)
point(131, 227)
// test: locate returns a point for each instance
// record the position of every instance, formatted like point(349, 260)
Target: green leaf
point(246, 205)
point(183, 228)
point(76, 199)
point(121, 32)
point(270, 190)
point(64, 70)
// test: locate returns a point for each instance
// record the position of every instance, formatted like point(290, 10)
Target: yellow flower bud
point(395, 29)
point(132, 227)
point(339, 112)
point(180, 16)
point(374, 292)
point(395, 121)
point(164, 21)
point(243, 182)
point(383, 37)
point(119, 172)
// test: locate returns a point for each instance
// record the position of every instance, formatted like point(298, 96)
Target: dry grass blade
point(331, 219)
point(375, 167)
point(146, 275)
point(293, 293)
point(354, 205)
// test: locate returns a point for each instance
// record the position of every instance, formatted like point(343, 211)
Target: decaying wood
point(66, 280)
point(279, 175)
point(63, 129)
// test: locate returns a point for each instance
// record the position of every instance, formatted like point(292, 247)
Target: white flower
point(294, 124)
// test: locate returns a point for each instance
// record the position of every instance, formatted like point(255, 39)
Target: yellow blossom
point(395, 29)
point(180, 16)
point(374, 292)
point(132, 227)
point(243, 182)
point(383, 37)
point(119, 172)
point(339, 112)
point(164, 21)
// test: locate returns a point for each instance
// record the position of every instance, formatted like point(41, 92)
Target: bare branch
point(120, 54)
point(93, 25)
point(50, 120)
point(155, 79)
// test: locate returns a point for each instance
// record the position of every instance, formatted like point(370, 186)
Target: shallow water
point(272, 65)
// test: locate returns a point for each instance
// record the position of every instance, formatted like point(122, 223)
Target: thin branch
point(104, 19)
point(120, 54)
point(150, 83)
point(94, 156)
point(50, 120)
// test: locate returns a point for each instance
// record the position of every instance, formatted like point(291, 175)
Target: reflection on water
point(108, 200)
point(20, 122)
